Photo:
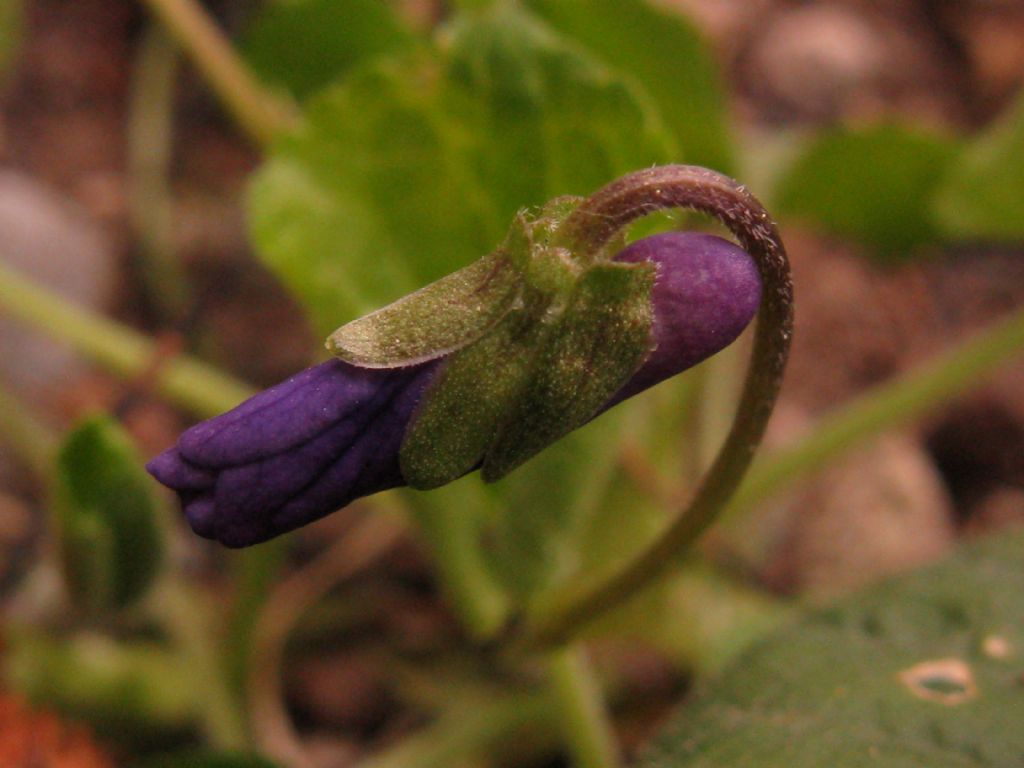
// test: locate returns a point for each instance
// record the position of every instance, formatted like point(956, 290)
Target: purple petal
point(286, 415)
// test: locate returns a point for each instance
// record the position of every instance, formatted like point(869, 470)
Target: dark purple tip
point(293, 453)
point(332, 433)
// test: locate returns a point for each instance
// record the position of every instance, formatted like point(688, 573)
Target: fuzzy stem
point(260, 114)
point(186, 381)
point(585, 723)
point(589, 228)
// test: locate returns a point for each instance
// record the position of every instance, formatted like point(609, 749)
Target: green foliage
point(664, 55)
point(106, 519)
point(304, 45)
point(846, 686)
point(123, 688)
point(415, 166)
point(983, 195)
point(874, 185)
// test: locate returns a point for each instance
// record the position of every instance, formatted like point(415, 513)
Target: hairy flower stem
point(589, 228)
point(262, 115)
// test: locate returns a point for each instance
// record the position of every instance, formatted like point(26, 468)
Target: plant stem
point(150, 138)
point(368, 540)
point(184, 380)
point(585, 723)
point(598, 219)
point(467, 728)
point(260, 114)
point(884, 407)
point(254, 572)
point(188, 619)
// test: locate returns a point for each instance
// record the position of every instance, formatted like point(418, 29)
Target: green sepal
point(106, 519)
point(595, 346)
point(441, 318)
point(470, 398)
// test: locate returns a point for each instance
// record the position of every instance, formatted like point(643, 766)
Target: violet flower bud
point(333, 433)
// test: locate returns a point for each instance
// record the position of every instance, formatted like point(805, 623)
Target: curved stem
point(367, 541)
point(589, 228)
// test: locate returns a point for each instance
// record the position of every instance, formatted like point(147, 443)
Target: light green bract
point(538, 339)
point(434, 321)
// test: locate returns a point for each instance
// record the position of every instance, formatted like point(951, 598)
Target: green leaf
point(922, 670)
point(436, 320)
point(541, 506)
point(207, 759)
point(983, 194)
point(415, 167)
point(874, 185)
point(369, 201)
point(304, 45)
point(665, 55)
point(597, 343)
point(106, 518)
point(551, 120)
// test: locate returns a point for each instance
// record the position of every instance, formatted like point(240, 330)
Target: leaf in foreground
point(921, 670)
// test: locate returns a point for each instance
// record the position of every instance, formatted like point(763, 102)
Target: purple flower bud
point(332, 433)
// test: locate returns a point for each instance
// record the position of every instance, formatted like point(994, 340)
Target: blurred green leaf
point(368, 201)
point(543, 504)
point(576, 514)
point(106, 517)
point(551, 120)
point(874, 185)
point(415, 167)
point(204, 759)
point(304, 45)
point(922, 670)
point(664, 53)
point(12, 24)
point(983, 194)
point(123, 688)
